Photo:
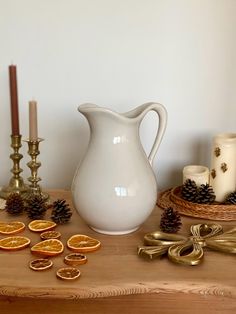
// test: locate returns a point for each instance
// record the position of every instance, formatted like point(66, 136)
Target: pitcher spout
point(86, 107)
point(94, 112)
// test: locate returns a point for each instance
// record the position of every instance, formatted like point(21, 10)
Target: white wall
point(120, 54)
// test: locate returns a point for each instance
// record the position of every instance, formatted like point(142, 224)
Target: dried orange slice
point(75, 259)
point(46, 235)
point(14, 243)
point(51, 247)
point(68, 273)
point(40, 264)
point(11, 227)
point(81, 243)
point(41, 225)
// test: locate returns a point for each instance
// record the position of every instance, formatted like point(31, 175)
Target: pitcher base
point(114, 232)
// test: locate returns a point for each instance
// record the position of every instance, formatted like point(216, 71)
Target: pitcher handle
point(162, 113)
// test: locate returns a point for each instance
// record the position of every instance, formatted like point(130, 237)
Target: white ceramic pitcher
point(114, 189)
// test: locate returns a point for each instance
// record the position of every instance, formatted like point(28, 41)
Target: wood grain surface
point(115, 275)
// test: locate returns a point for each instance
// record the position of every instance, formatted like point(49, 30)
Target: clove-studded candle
point(223, 165)
point(33, 123)
point(14, 100)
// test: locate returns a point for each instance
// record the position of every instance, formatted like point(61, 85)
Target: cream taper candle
point(33, 124)
point(197, 173)
point(223, 165)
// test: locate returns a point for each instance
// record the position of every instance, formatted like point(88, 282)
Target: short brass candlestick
point(16, 184)
point(34, 187)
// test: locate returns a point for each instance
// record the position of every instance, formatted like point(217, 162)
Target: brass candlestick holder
point(16, 184)
point(34, 187)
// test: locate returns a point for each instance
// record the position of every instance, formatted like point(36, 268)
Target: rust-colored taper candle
point(14, 100)
point(33, 124)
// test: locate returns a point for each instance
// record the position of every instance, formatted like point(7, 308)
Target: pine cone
point(61, 212)
point(206, 194)
point(36, 207)
point(231, 199)
point(189, 191)
point(170, 221)
point(15, 204)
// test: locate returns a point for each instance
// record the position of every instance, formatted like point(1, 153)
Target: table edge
point(200, 288)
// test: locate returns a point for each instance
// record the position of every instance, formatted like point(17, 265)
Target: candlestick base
point(16, 184)
point(31, 193)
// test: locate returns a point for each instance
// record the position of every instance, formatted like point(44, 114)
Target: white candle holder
point(197, 173)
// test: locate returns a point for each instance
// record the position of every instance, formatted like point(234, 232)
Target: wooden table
point(115, 280)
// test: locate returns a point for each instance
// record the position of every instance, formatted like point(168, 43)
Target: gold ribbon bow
point(189, 250)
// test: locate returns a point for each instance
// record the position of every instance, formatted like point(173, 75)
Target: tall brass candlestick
point(34, 187)
point(16, 184)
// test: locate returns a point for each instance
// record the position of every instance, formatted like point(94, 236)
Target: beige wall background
point(119, 54)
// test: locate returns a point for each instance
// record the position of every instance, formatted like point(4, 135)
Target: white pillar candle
point(223, 165)
point(197, 173)
point(33, 123)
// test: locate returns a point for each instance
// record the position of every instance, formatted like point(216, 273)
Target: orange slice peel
point(14, 243)
point(11, 227)
point(46, 235)
point(41, 225)
point(51, 247)
point(68, 273)
point(40, 264)
point(75, 259)
point(82, 243)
